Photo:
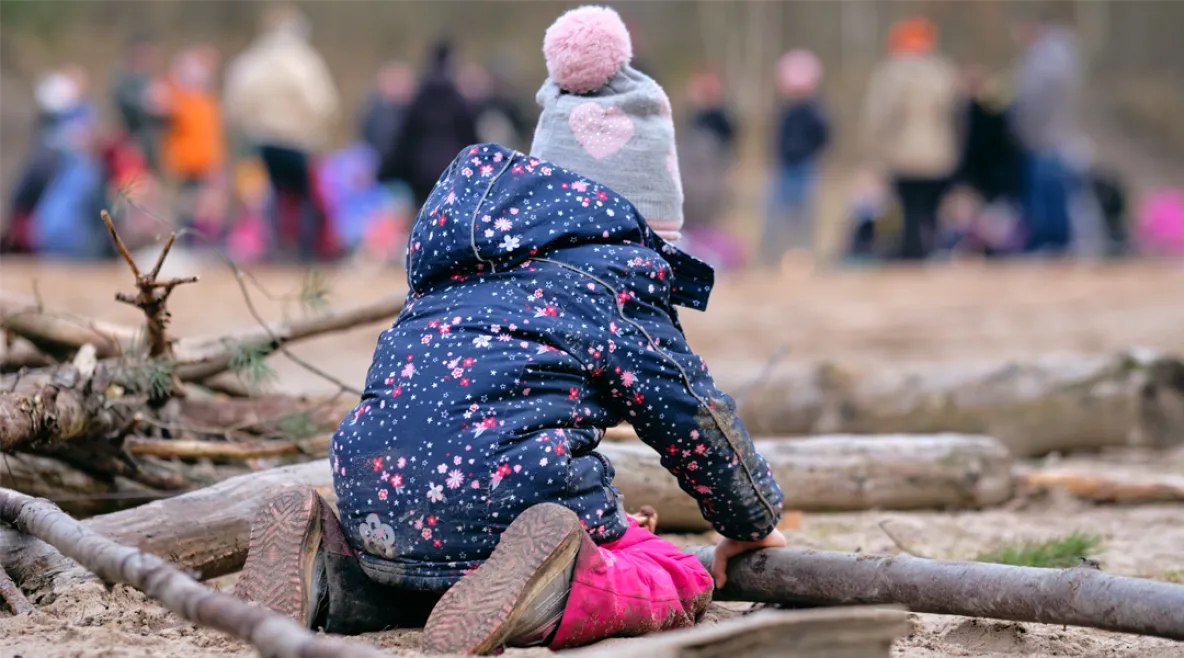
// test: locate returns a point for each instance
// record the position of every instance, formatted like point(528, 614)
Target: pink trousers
point(636, 585)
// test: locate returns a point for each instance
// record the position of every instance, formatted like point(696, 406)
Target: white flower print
point(442, 469)
point(510, 243)
point(457, 460)
point(543, 461)
point(503, 224)
point(482, 341)
point(495, 328)
point(489, 233)
point(378, 538)
point(455, 479)
point(435, 492)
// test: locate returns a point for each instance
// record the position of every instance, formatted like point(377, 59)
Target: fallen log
point(834, 473)
point(862, 632)
point(264, 414)
point(272, 634)
point(72, 488)
point(1119, 488)
point(61, 333)
point(1080, 596)
point(838, 473)
point(1056, 404)
point(69, 406)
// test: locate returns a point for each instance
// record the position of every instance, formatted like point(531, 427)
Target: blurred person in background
point(499, 118)
point(66, 218)
point(439, 123)
point(1044, 116)
point(992, 161)
point(281, 97)
point(137, 95)
point(910, 127)
point(706, 149)
point(57, 97)
point(803, 132)
point(386, 106)
point(194, 144)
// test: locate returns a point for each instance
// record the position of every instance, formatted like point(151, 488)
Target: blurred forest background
point(1135, 85)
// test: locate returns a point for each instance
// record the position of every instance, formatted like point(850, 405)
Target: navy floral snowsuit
point(540, 313)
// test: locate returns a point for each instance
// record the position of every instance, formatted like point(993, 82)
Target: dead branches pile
point(99, 416)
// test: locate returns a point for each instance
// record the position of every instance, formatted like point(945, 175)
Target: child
point(541, 312)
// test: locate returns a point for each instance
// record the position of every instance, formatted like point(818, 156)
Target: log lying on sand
point(817, 474)
point(838, 473)
point(1131, 488)
point(215, 546)
point(274, 635)
point(855, 632)
point(1080, 596)
point(1055, 404)
point(72, 489)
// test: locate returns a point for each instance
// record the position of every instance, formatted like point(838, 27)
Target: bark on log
point(1034, 408)
point(855, 632)
point(274, 635)
point(838, 473)
point(20, 353)
point(1120, 488)
point(1080, 596)
point(266, 414)
point(61, 333)
point(70, 406)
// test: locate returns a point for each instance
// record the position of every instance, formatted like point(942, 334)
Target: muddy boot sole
point(479, 613)
point(281, 568)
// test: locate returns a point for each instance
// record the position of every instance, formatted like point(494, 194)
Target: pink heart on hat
point(601, 131)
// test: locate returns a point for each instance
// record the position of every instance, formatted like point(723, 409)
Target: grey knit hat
point(606, 120)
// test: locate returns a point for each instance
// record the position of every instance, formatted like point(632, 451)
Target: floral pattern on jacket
point(541, 311)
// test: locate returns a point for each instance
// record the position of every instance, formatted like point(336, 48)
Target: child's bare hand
point(726, 549)
point(646, 517)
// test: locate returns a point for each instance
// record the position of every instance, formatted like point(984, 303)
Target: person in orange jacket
point(194, 148)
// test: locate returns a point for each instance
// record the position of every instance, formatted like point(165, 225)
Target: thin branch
point(12, 595)
point(183, 449)
point(119, 243)
point(168, 244)
point(763, 375)
point(896, 541)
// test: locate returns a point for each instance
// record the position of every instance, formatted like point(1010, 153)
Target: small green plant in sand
point(1062, 552)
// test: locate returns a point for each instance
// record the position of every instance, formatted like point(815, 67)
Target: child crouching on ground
point(541, 312)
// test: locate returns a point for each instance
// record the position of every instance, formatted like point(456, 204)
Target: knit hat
point(606, 120)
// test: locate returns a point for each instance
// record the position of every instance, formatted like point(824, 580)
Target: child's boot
point(285, 568)
point(518, 596)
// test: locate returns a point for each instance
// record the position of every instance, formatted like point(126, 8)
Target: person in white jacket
point(281, 99)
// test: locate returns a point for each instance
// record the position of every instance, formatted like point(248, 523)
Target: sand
point(884, 317)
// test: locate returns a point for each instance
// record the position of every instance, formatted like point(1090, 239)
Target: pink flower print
point(456, 320)
point(475, 161)
point(534, 162)
point(513, 211)
point(487, 170)
point(408, 371)
point(612, 347)
point(672, 450)
point(469, 361)
point(517, 468)
point(418, 524)
point(602, 196)
point(445, 329)
point(475, 484)
point(623, 296)
point(402, 462)
point(503, 224)
point(457, 372)
point(456, 460)
point(397, 392)
point(435, 492)
point(425, 340)
point(579, 186)
point(497, 157)
point(442, 469)
point(397, 481)
point(627, 378)
point(693, 466)
point(466, 172)
point(451, 197)
point(573, 394)
point(702, 489)
point(377, 462)
point(638, 398)
point(382, 494)
point(437, 543)
point(431, 520)
point(485, 424)
point(464, 381)
point(546, 171)
point(455, 479)
point(694, 434)
point(537, 293)
point(560, 448)
point(518, 169)
point(700, 449)
point(503, 337)
point(427, 533)
point(513, 328)
point(612, 327)
point(497, 328)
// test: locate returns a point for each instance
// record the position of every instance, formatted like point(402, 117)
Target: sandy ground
point(882, 316)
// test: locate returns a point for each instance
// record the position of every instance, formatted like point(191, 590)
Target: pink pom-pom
point(585, 48)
